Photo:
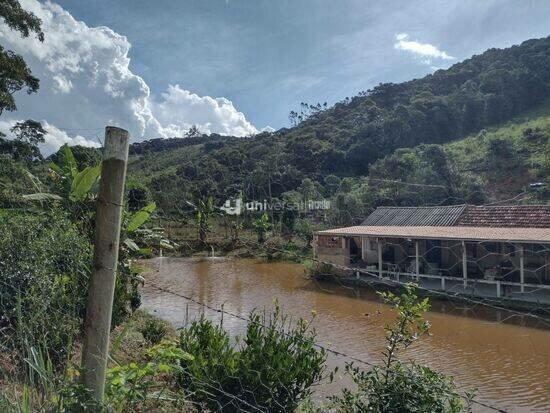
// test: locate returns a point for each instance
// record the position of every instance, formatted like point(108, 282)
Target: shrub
point(399, 386)
point(44, 270)
point(154, 330)
point(211, 378)
point(272, 368)
point(129, 387)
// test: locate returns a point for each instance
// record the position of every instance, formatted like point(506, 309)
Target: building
point(497, 251)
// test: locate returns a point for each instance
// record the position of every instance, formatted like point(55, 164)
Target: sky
point(237, 67)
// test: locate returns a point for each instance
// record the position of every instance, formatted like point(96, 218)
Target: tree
point(193, 132)
point(307, 110)
point(262, 225)
point(15, 75)
point(24, 145)
point(288, 220)
point(204, 209)
point(304, 228)
point(137, 196)
point(29, 131)
point(332, 183)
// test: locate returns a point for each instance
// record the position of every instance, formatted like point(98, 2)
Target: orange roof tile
point(535, 235)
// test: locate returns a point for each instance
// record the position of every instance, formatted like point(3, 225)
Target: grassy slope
point(504, 179)
point(153, 164)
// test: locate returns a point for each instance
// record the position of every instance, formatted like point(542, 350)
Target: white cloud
point(180, 109)
point(54, 137)
point(62, 84)
point(268, 129)
point(86, 83)
point(425, 51)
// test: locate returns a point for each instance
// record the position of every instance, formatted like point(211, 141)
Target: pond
point(506, 359)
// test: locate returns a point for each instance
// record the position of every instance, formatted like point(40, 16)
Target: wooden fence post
point(102, 283)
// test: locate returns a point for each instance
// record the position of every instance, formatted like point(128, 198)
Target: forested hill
point(346, 139)
point(481, 91)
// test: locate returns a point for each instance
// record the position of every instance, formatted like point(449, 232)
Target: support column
point(364, 248)
point(417, 260)
point(464, 265)
point(315, 242)
point(521, 268)
point(498, 289)
point(379, 246)
point(346, 249)
point(443, 283)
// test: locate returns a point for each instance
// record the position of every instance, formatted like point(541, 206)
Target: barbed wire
point(221, 310)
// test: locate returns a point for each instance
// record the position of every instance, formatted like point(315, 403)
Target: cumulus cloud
point(424, 51)
point(86, 83)
point(53, 138)
point(180, 109)
point(268, 129)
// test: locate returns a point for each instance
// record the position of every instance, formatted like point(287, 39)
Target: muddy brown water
point(506, 359)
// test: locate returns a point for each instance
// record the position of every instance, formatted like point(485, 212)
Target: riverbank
point(274, 248)
point(134, 377)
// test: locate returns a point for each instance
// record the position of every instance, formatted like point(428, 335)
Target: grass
point(43, 384)
point(528, 160)
point(150, 165)
point(128, 340)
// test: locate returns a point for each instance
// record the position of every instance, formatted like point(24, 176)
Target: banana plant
point(134, 234)
point(204, 210)
point(76, 185)
point(261, 225)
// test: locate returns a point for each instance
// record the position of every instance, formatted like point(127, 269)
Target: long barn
point(500, 251)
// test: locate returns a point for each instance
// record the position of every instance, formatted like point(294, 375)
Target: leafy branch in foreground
point(398, 386)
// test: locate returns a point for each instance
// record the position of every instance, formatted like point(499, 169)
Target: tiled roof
point(535, 235)
point(524, 216)
point(415, 216)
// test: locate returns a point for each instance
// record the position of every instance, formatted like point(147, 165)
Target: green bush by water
point(272, 368)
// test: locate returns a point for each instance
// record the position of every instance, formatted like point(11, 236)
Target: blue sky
point(265, 57)
point(269, 55)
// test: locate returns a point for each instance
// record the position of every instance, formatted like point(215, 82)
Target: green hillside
point(508, 161)
point(509, 157)
point(356, 151)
